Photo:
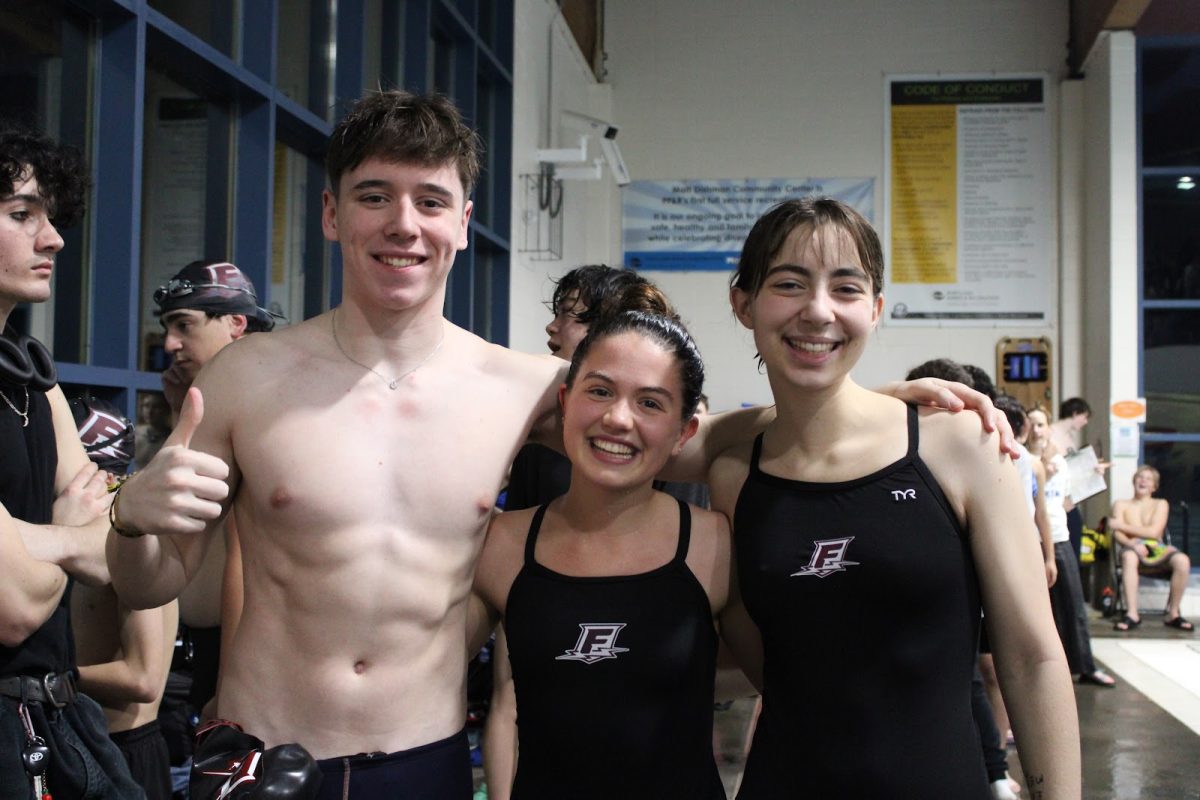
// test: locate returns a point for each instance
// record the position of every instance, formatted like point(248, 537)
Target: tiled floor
point(1133, 749)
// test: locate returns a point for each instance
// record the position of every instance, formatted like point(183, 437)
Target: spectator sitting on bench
point(1137, 525)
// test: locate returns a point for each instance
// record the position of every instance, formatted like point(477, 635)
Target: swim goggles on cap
point(181, 287)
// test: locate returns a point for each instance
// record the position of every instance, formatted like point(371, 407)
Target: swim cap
point(216, 286)
point(106, 433)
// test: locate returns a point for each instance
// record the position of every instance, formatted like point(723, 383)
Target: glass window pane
point(1170, 106)
point(306, 52)
point(1178, 464)
point(1171, 361)
point(1171, 240)
point(373, 46)
point(152, 426)
point(214, 21)
point(485, 124)
point(299, 251)
point(441, 67)
point(46, 68)
point(185, 193)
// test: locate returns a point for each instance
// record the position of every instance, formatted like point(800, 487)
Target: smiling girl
point(608, 594)
point(866, 534)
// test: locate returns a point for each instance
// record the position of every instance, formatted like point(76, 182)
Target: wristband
point(114, 518)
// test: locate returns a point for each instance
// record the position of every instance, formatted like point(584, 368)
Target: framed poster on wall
point(969, 200)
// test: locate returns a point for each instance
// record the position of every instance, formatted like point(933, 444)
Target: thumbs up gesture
point(181, 489)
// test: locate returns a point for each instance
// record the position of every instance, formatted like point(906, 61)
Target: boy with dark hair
point(352, 636)
point(52, 501)
point(1066, 434)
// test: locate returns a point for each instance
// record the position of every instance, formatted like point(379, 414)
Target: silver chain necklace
point(24, 415)
point(391, 383)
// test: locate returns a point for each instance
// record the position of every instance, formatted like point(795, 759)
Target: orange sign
point(1129, 409)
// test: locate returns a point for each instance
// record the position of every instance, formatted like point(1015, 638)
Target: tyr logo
point(828, 557)
point(904, 494)
point(597, 642)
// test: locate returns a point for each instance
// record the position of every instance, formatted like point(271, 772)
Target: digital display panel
point(1025, 367)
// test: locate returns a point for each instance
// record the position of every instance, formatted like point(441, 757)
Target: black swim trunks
point(439, 770)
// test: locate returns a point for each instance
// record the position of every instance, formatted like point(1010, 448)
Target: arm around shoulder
point(716, 434)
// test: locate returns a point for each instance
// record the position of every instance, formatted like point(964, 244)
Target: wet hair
point(63, 179)
point(603, 291)
point(772, 229)
point(981, 381)
point(1072, 406)
point(1013, 410)
point(404, 128)
point(668, 332)
point(1149, 470)
point(942, 368)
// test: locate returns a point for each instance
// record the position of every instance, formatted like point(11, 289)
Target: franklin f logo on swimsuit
point(828, 557)
point(597, 642)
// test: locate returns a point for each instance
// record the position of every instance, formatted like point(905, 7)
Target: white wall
point(591, 209)
point(794, 88)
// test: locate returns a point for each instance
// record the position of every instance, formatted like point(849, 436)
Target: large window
point(205, 125)
point(46, 52)
point(1169, 97)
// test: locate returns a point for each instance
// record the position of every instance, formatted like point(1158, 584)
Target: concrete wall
point(548, 63)
point(787, 88)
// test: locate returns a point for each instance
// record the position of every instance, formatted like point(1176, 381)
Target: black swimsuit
point(614, 681)
point(866, 596)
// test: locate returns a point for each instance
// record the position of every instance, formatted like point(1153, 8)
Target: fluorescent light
point(1186, 182)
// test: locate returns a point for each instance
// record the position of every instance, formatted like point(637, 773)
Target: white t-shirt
point(1025, 469)
point(1058, 489)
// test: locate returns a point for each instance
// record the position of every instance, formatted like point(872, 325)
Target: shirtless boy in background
point(1138, 526)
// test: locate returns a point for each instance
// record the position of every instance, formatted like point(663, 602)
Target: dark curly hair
point(63, 179)
point(601, 291)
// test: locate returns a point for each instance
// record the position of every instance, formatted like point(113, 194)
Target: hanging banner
point(969, 201)
point(701, 224)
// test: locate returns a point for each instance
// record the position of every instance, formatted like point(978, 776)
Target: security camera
point(589, 125)
point(612, 154)
point(607, 134)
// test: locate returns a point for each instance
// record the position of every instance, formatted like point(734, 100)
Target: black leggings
point(437, 771)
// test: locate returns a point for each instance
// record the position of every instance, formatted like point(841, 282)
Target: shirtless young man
point(352, 637)
point(1138, 526)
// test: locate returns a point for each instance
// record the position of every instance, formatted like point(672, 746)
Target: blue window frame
point(463, 48)
point(1169, 274)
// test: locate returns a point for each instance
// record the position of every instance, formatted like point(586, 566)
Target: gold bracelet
point(114, 518)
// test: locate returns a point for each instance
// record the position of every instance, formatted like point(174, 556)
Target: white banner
point(701, 224)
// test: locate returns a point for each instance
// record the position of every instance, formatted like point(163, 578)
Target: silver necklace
point(393, 382)
point(24, 415)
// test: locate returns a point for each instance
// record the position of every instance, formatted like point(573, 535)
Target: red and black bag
point(229, 763)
